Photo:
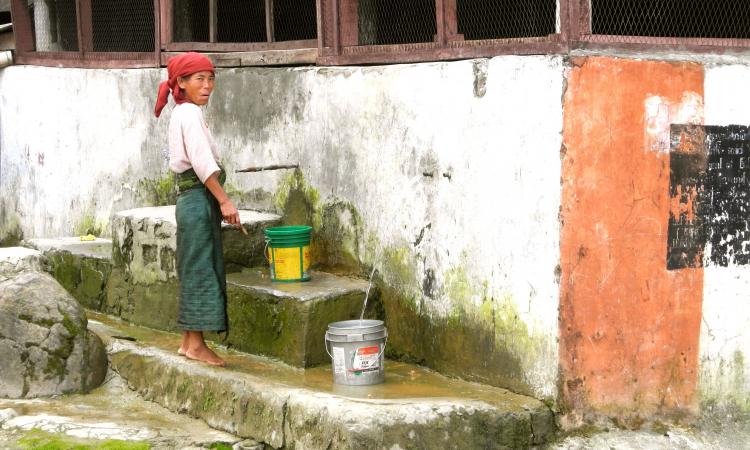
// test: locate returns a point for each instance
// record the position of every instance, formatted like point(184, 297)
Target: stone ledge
point(288, 320)
point(99, 248)
point(81, 267)
point(280, 406)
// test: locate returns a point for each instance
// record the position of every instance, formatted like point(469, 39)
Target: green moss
point(297, 201)
point(247, 199)
point(158, 192)
point(337, 243)
point(208, 401)
point(220, 446)
point(398, 266)
point(42, 440)
point(88, 224)
point(738, 372)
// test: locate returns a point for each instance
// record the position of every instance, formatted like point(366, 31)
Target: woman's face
point(198, 87)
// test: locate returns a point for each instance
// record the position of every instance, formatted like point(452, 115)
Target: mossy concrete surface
point(288, 320)
point(301, 409)
point(81, 267)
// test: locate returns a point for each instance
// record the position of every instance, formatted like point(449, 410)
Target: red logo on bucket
point(368, 350)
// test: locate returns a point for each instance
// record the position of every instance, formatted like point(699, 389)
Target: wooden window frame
point(85, 57)
point(338, 37)
point(584, 39)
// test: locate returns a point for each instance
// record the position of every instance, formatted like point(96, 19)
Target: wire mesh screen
point(500, 19)
point(386, 22)
point(672, 18)
point(294, 20)
point(241, 21)
point(190, 21)
point(119, 26)
point(54, 25)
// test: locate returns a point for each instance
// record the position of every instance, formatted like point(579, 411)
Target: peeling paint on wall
point(629, 327)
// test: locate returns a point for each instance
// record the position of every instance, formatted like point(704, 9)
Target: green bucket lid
point(288, 231)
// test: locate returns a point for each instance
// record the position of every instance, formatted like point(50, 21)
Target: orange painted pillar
point(629, 328)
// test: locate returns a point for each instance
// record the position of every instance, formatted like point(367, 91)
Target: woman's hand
point(229, 213)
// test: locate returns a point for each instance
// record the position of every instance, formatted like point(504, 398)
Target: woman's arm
point(228, 212)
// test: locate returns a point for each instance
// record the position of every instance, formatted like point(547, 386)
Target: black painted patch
point(709, 188)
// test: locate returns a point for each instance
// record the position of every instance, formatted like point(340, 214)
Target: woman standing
point(201, 204)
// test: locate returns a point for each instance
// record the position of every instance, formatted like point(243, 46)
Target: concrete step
point(81, 267)
point(284, 407)
point(288, 320)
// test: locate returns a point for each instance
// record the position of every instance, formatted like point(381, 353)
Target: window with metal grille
point(53, 25)
point(237, 21)
point(85, 33)
point(384, 22)
point(122, 26)
point(501, 19)
point(369, 31)
point(724, 19)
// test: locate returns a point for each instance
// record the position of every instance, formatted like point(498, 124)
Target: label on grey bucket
point(339, 360)
point(367, 358)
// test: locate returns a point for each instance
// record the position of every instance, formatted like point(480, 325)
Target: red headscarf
point(180, 66)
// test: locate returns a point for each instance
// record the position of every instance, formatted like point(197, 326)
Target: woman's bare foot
point(206, 355)
point(184, 344)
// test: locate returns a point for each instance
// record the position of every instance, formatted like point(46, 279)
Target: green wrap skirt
point(200, 261)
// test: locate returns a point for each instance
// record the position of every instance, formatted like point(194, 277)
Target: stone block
point(288, 320)
point(81, 267)
point(143, 286)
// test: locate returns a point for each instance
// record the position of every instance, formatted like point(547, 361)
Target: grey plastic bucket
point(356, 351)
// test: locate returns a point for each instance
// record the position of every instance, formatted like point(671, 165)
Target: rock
point(45, 346)
point(7, 414)
point(248, 444)
point(14, 260)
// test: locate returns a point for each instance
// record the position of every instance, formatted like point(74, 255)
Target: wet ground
point(111, 412)
point(114, 412)
point(402, 380)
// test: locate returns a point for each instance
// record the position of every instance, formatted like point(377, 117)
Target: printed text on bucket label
point(366, 358)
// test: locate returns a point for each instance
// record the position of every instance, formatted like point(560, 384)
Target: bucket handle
point(325, 343)
point(265, 251)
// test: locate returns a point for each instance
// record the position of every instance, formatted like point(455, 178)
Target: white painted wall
point(364, 135)
point(75, 142)
point(725, 339)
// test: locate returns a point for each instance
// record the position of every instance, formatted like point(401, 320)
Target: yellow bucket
point(288, 253)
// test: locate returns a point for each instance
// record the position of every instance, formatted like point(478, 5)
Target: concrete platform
point(288, 320)
point(289, 408)
point(81, 267)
